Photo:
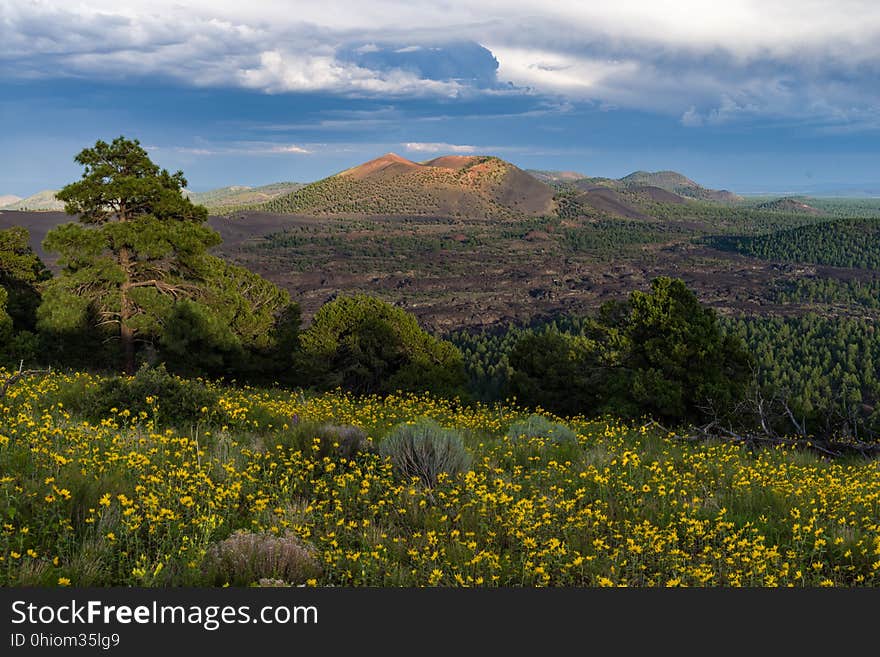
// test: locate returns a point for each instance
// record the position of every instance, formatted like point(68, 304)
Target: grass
point(123, 501)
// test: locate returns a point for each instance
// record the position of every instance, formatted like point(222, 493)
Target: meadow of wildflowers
point(129, 501)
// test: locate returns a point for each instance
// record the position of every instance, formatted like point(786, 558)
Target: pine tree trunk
point(126, 333)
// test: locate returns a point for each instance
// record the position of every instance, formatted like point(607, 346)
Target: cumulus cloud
point(197, 47)
point(278, 71)
point(802, 59)
point(560, 72)
point(438, 147)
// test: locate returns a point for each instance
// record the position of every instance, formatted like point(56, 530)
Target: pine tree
point(21, 273)
point(676, 359)
point(139, 245)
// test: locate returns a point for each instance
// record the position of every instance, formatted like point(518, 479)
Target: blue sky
point(754, 97)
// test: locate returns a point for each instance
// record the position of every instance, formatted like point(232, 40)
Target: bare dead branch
point(798, 426)
point(18, 376)
point(713, 431)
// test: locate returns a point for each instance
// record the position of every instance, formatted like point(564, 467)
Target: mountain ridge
point(640, 181)
point(221, 197)
point(235, 195)
point(41, 201)
point(453, 186)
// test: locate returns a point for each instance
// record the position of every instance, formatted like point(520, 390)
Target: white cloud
point(192, 151)
point(292, 148)
point(279, 71)
point(558, 72)
point(691, 118)
point(749, 28)
point(796, 58)
point(241, 148)
point(438, 147)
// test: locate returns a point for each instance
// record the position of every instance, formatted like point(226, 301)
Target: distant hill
point(611, 196)
point(551, 177)
point(606, 200)
point(44, 200)
point(464, 186)
point(657, 194)
point(629, 197)
point(676, 183)
point(790, 204)
point(236, 195)
point(658, 186)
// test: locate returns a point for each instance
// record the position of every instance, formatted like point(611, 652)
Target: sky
point(753, 96)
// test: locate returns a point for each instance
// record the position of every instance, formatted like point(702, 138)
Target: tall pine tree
point(139, 246)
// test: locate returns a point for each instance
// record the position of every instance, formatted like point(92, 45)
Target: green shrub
point(556, 371)
point(538, 426)
point(424, 449)
point(660, 353)
point(246, 558)
point(180, 402)
point(368, 346)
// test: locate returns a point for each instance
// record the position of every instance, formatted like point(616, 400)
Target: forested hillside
point(843, 243)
